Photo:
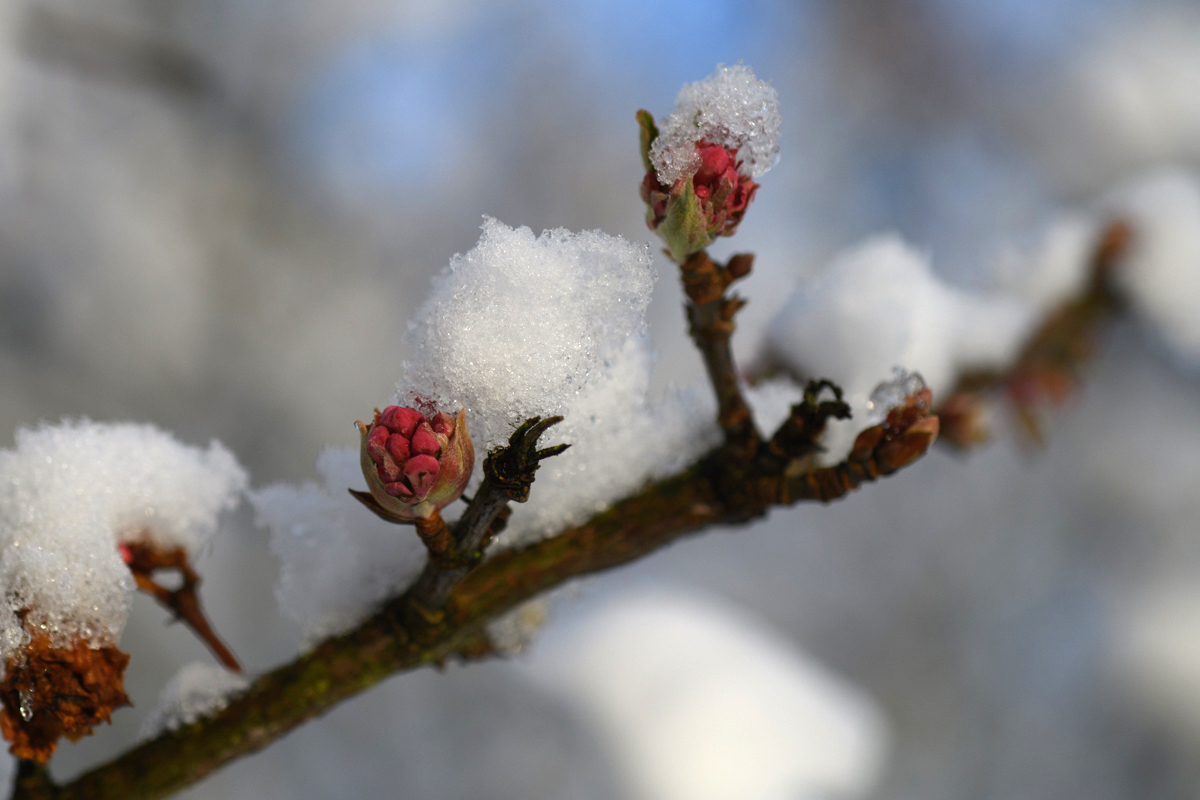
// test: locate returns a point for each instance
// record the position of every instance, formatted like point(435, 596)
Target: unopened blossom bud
point(697, 208)
point(414, 464)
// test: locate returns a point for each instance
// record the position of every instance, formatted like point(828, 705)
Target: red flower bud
point(698, 208)
point(416, 465)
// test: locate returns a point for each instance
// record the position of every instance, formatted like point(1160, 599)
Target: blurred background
point(217, 215)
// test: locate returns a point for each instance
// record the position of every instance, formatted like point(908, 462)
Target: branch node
point(511, 469)
point(710, 317)
point(800, 434)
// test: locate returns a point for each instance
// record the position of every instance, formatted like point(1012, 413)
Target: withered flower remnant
point(416, 465)
point(51, 691)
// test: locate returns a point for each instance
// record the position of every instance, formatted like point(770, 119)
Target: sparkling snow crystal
point(879, 306)
point(892, 394)
point(196, 691)
point(731, 108)
point(338, 560)
point(70, 492)
point(1162, 273)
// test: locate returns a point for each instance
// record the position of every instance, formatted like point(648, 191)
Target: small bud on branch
point(415, 465)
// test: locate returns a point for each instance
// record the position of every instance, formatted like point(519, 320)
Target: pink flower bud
point(697, 208)
point(416, 465)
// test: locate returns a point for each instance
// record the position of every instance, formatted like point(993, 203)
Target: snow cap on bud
point(700, 166)
point(416, 464)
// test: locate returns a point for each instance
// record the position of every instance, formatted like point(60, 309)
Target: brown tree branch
point(710, 322)
point(1047, 367)
point(443, 614)
point(144, 559)
point(717, 490)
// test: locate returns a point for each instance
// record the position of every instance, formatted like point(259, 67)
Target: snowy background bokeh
point(219, 215)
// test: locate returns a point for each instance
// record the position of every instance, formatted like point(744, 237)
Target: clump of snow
point(1055, 268)
point(338, 561)
point(696, 701)
point(524, 326)
point(519, 324)
point(730, 107)
point(197, 690)
point(1155, 647)
point(1162, 272)
point(69, 493)
point(892, 394)
point(879, 306)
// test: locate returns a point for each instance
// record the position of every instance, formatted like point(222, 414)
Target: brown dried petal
point(62, 691)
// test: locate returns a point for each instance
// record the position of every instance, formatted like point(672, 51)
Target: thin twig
point(710, 322)
point(1048, 365)
point(144, 559)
